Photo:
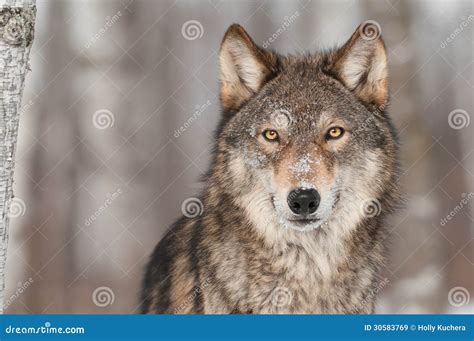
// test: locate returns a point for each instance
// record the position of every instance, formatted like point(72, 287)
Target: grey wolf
point(296, 199)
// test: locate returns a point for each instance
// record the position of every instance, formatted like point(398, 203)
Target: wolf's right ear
point(244, 68)
point(361, 64)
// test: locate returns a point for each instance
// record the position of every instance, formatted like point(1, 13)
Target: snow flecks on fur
point(306, 184)
point(302, 166)
point(252, 131)
point(254, 158)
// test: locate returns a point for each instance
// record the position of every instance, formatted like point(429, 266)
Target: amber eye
point(334, 133)
point(270, 135)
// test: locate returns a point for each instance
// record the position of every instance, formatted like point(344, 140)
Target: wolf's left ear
point(361, 64)
point(244, 67)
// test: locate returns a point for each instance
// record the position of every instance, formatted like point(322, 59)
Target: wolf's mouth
point(302, 222)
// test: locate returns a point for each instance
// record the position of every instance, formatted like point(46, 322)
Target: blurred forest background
point(117, 124)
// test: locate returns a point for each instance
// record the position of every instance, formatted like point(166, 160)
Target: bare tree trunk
point(17, 19)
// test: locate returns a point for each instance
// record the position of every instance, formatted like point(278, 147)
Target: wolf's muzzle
point(303, 201)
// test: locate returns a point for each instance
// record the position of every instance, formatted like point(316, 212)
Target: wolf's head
point(306, 139)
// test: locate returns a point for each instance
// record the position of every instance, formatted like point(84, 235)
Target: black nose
point(303, 201)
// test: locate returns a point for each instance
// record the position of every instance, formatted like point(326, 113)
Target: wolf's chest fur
point(302, 278)
point(289, 282)
point(201, 269)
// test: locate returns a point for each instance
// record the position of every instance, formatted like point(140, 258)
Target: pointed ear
point(244, 68)
point(361, 64)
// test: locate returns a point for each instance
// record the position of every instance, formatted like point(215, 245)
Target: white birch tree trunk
point(17, 19)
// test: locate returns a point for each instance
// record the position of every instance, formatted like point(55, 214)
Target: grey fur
point(245, 254)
